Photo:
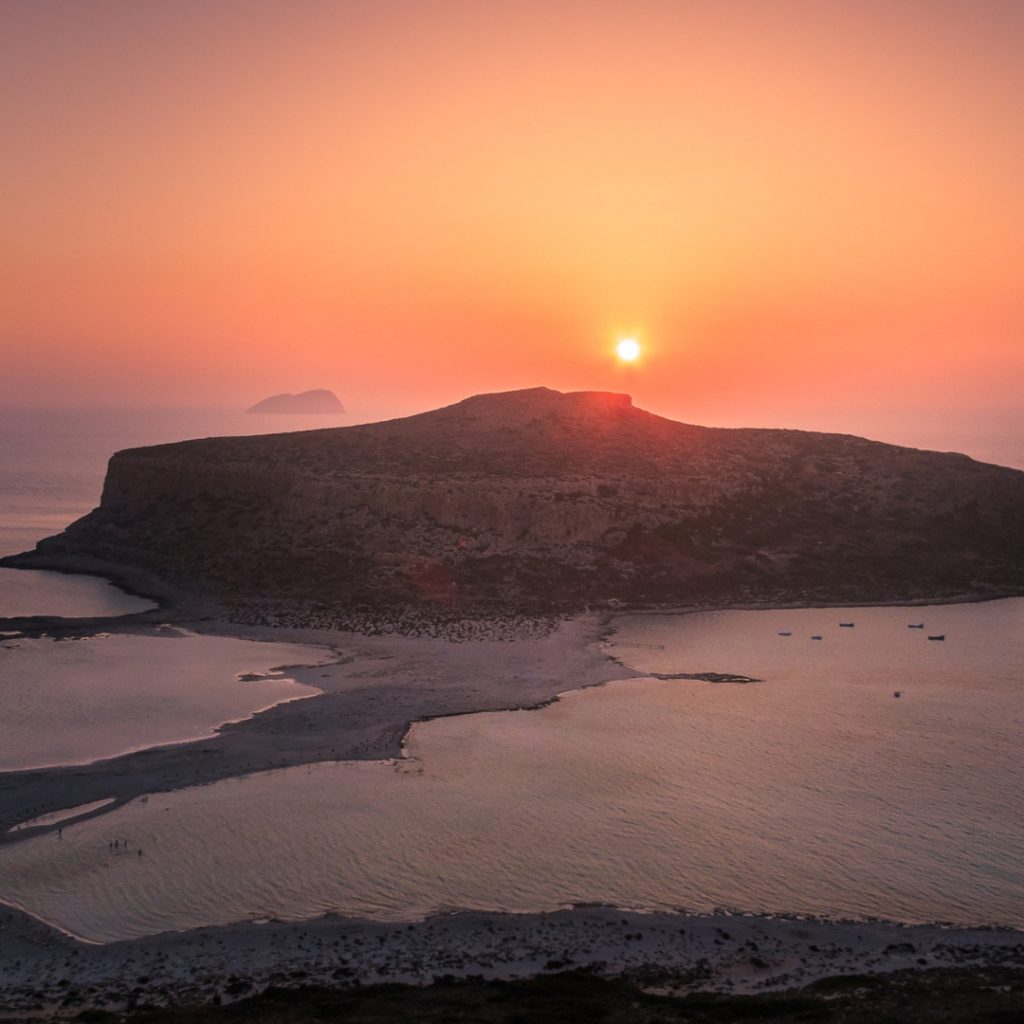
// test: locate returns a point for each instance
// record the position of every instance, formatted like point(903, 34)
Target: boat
point(915, 625)
point(940, 636)
point(846, 625)
point(896, 693)
point(785, 633)
point(815, 637)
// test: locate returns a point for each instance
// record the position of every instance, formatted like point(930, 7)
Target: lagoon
point(814, 792)
point(80, 699)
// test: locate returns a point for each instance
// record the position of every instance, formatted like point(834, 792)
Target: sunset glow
point(807, 204)
point(628, 349)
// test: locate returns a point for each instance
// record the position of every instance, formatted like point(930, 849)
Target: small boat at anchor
point(939, 636)
point(815, 637)
point(846, 625)
point(785, 633)
point(915, 625)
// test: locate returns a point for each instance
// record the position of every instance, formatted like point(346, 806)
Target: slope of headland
point(538, 502)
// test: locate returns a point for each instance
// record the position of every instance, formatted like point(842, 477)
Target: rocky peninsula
point(542, 503)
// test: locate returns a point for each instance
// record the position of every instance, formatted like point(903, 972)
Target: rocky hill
point(536, 501)
point(317, 401)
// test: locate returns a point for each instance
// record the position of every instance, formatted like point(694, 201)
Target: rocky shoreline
point(44, 973)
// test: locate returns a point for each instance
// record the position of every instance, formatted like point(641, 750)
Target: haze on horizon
point(794, 206)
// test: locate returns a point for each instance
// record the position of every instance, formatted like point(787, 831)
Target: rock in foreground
point(536, 501)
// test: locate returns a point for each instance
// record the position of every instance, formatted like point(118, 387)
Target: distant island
point(319, 401)
point(536, 502)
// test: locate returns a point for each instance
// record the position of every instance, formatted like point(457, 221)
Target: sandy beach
point(385, 675)
point(373, 690)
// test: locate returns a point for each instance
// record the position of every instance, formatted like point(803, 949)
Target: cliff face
point(538, 501)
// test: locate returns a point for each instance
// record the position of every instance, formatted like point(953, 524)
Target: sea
point(79, 699)
point(867, 770)
point(813, 791)
point(52, 465)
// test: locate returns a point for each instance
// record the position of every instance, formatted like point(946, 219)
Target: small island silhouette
point(320, 401)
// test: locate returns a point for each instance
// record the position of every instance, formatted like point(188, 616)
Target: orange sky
point(793, 204)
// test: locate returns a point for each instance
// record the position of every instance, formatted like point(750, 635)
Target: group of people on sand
point(118, 845)
point(115, 845)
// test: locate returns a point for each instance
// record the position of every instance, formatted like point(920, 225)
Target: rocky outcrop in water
point(536, 501)
point(318, 401)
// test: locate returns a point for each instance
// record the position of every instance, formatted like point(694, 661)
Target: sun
point(628, 349)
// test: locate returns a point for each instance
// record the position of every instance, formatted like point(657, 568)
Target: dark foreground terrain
point(993, 995)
